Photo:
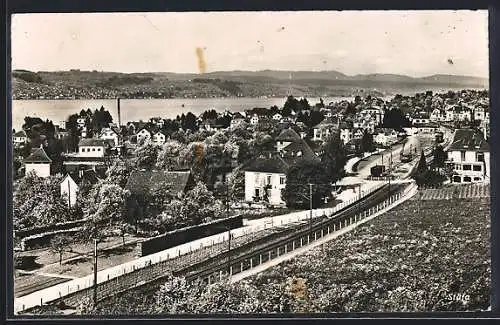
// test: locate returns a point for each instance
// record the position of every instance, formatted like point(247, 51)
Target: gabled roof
point(142, 182)
point(467, 139)
point(238, 116)
point(326, 123)
point(20, 134)
point(288, 135)
point(38, 155)
point(92, 142)
point(302, 146)
point(88, 175)
point(273, 164)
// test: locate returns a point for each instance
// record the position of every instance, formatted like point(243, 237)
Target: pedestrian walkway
point(50, 275)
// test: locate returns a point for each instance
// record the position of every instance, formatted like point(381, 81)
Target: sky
point(414, 43)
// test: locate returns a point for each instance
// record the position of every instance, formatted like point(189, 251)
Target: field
point(429, 255)
point(423, 255)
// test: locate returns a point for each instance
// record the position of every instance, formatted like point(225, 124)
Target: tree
point(367, 144)
point(291, 104)
point(439, 157)
point(106, 203)
point(237, 185)
point(146, 156)
point(58, 244)
point(334, 157)
point(298, 178)
point(38, 202)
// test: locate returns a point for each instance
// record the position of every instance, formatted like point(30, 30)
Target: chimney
point(118, 106)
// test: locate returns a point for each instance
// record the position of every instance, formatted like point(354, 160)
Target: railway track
point(268, 248)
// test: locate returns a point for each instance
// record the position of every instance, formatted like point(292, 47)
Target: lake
point(141, 109)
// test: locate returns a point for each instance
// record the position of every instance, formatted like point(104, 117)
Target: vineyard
point(420, 256)
point(468, 191)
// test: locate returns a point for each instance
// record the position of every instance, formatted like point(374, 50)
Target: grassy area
point(428, 255)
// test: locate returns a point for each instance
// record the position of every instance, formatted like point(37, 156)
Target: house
point(469, 157)
point(322, 130)
point(346, 134)
point(110, 134)
point(277, 117)
point(437, 115)
point(81, 122)
point(285, 138)
point(358, 133)
point(265, 178)
point(92, 147)
point(385, 137)
point(20, 138)
point(485, 128)
point(479, 113)
point(143, 135)
point(159, 138)
point(421, 118)
point(60, 133)
point(38, 162)
point(426, 128)
point(71, 184)
point(236, 120)
point(254, 120)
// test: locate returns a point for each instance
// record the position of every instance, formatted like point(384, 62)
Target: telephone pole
point(95, 272)
point(310, 207)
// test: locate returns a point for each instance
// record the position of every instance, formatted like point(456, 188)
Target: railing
point(260, 256)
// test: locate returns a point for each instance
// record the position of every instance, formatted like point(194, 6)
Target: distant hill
point(228, 83)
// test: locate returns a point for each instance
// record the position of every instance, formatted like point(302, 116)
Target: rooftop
point(38, 155)
point(92, 142)
point(288, 135)
point(273, 164)
point(469, 140)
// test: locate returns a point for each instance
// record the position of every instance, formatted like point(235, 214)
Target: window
point(456, 179)
point(467, 179)
point(257, 192)
point(282, 180)
point(476, 168)
point(93, 149)
point(479, 156)
point(458, 167)
point(477, 179)
point(98, 149)
point(462, 155)
point(269, 179)
point(467, 167)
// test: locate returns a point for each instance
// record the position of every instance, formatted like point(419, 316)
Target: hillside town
point(143, 179)
point(248, 153)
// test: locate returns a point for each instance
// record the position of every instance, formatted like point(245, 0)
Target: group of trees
point(37, 202)
point(431, 177)
point(320, 173)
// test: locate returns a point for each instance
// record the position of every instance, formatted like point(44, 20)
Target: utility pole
point(310, 207)
point(228, 230)
point(95, 272)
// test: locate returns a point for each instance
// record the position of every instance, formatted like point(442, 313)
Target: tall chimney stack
point(119, 120)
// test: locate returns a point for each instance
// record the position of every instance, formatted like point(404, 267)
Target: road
point(364, 167)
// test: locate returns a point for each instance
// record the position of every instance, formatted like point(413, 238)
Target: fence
point(156, 265)
point(256, 258)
